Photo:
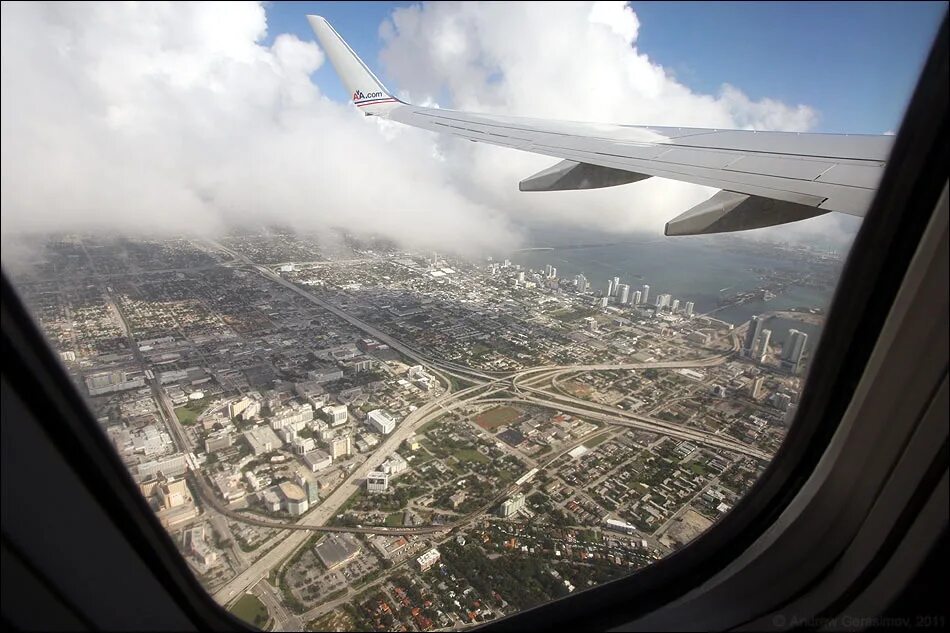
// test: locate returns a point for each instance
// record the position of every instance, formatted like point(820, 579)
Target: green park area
point(594, 441)
point(428, 426)
point(250, 609)
point(190, 412)
point(470, 455)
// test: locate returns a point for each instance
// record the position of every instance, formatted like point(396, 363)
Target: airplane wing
point(765, 178)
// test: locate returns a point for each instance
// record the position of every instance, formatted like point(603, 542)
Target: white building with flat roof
point(295, 499)
point(394, 465)
point(620, 526)
point(381, 421)
point(217, 441)
point(112, 381)
point(295, 415)
point(168, 466)
point(428, 559)
point(303, 445)
point(316, 460)
point(377, 481)
point(262, 439)
point(270, 499)
point(335, 414)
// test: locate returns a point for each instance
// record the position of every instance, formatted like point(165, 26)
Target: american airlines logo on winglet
point(359, 96)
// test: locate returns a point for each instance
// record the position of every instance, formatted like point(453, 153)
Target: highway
point(317, 519)
point(642, 423)
point(283, 619)
point(370, 329)
point(486, 384)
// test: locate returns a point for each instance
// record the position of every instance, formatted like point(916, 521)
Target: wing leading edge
point(765, 178)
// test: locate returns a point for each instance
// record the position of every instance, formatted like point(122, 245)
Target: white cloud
point(172, 118)
point(176, 118)
point(566, 60)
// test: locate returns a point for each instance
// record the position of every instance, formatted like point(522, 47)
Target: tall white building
point(762, 345)
point(646, 294)
point(675, 305)
point(752, 335)
point(663, 301)
point(553, 274)
point(610, 288)
point(341, 446)
point(511, 506)
point(794, 350)
point(237, 407)
point(637, 298)
point(616, 285)
point(623, 294)
point(690, 306)
point(380, 421)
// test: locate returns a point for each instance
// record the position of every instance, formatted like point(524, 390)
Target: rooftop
point(336, 549)
point(292, 492)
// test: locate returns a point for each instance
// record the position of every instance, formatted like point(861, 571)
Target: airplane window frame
point(875, 268)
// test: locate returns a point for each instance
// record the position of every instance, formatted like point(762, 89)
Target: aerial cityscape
point(385, 440)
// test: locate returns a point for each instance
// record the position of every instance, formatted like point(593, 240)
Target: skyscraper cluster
point(621, 294)
point(580, 283)
point(755, 345)
point(625, 294)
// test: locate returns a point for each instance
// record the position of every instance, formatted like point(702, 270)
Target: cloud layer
point(172, 119)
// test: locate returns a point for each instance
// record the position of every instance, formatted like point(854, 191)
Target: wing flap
point(853, 176)
point(729, 211)
point(795, 168)
point(570, 175)
point(697, 158)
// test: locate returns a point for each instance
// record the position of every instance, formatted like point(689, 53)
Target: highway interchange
point(536, 386)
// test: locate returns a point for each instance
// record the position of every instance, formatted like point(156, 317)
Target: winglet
point(368, 93)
